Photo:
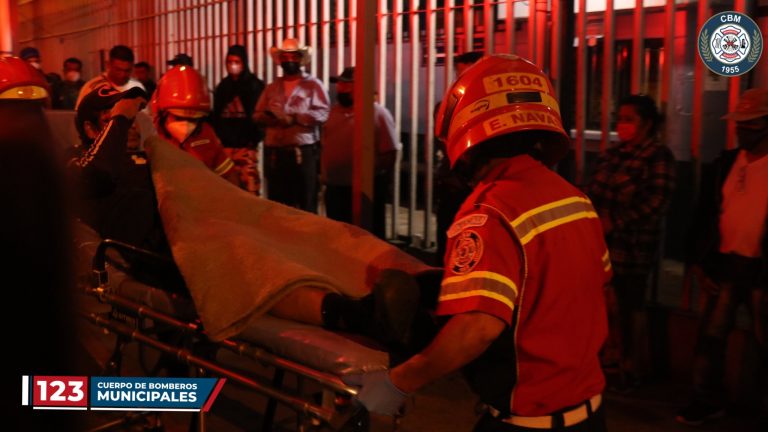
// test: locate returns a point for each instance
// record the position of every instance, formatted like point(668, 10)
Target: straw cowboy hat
point(291, 45)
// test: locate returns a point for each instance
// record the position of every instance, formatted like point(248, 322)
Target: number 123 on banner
point(55, 392)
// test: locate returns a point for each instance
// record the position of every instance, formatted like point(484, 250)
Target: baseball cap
point(181, 59)
point(348, 75)
point(752, 104)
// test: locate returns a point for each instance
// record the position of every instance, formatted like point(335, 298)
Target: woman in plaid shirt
point(630, 188)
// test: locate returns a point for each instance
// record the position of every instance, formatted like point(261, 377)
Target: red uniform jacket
point(528, 248)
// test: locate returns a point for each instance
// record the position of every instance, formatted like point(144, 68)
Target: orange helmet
point(183, 92)
point(20, 81)
point(498, 95)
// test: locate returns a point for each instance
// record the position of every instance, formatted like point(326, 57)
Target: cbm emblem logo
point(730, 44)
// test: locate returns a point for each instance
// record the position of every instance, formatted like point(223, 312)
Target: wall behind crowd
point(159, 29)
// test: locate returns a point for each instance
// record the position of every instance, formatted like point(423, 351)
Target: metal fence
point(646, 44)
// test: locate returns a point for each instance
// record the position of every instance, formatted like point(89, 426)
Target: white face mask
point(180, 130)
point(72, 76)
point(36, 65)
point(234, 69)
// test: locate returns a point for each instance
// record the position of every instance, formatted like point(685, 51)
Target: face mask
point(72, 76)
point(180, 130)
point(290, 68)
point(36, 65)
point(627, 131)
point(234, 69)
point(749, 139)
point(345, 99)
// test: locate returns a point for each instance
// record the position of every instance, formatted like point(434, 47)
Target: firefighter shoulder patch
point(467, 251)
point(473, 220)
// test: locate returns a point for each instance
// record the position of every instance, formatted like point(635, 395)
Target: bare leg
point(304, 304)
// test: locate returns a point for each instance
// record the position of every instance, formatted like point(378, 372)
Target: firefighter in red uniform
point(181, 104)
point(524, 269)
point(34, 231)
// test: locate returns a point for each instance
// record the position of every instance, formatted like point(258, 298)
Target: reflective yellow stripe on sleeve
point(548, 216)
point(224, 167)
point(479, 283)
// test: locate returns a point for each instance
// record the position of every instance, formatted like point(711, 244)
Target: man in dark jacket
point(233, 102)
point(117, 194)
point(730, 253)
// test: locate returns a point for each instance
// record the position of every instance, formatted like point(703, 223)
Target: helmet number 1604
point(513, 81)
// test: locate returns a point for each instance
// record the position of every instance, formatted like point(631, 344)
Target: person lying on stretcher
point(119, 202)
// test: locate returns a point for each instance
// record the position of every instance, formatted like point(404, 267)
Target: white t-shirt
point(745, 207)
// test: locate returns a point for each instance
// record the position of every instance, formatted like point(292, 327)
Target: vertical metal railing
point(340, 25)
point(532, 30)
point(413, 36)
point(489, 24)
point(734, 90)
point(581, 90)
point(420, 35)
point(699, 72)
point(638, 47)
point(429, 107)
point(606, 105)
point(668, 62)
point(468, 25)
point(353, 32)
point(397, 74)
point(326, 32)
point(555, 46)
point(313, 28)
point(290, 18)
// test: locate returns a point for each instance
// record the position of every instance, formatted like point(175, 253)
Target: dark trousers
point(630, 299)
point(338, 203)
point(291, 175)
point(594, 423)
point(737, 281)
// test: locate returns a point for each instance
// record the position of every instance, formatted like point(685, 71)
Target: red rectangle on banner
point(60, 391)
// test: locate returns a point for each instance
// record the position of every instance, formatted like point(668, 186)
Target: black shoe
point(698, 413)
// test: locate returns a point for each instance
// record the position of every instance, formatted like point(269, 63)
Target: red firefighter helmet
point(498, 95)
point(20, 81)
point(183, 92)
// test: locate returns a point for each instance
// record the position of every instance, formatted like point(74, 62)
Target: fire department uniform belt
point(563, 419)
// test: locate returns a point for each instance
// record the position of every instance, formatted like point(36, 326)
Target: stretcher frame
point(337, 411)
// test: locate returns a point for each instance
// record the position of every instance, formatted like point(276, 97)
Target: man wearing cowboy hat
point(292, 108)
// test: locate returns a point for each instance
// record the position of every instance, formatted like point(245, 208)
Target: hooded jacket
point(233, 128)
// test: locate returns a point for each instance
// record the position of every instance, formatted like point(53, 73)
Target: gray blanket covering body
point(240, 254)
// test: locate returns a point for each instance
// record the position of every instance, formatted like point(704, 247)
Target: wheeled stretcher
point(154, 317)
point(239, 255)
